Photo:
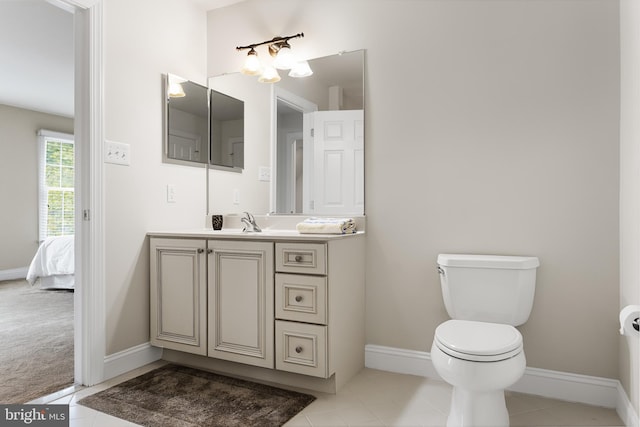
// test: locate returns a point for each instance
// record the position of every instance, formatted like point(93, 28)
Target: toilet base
point(478, 409)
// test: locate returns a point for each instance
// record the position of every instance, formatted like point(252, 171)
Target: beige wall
point(630, 189)
point(142, 40)
point(19, 177)
point(491, 127)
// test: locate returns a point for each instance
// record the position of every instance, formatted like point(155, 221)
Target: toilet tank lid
point(488, 261)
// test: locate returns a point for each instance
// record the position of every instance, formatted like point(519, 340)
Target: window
point(56, 183)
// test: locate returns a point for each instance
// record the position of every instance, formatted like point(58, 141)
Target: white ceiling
point(36, 47)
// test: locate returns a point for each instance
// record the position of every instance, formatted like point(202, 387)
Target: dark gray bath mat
point(176, 396)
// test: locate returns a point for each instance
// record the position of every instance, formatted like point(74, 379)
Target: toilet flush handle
point(440, 270)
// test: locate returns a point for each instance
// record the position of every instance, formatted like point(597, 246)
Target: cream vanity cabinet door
point(178, 294)
point(240, 295)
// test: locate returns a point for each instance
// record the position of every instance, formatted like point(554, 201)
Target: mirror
point(277, 112)
point(227, 131)
point(318, 137)
point(186, 121)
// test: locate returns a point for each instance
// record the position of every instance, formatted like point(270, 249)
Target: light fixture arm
point(275, 44)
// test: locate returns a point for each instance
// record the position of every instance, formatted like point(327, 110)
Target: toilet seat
point(478, 341)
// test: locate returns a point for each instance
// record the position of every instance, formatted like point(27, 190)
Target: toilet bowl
point(479, 360)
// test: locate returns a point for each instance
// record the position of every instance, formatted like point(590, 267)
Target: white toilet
point(479, 352)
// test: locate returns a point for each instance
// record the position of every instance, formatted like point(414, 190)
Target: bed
point(53, 265)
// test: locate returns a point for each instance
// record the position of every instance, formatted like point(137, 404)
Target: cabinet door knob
point(298, 298)
point(299, 349)
point(209, 251)
point(298, 258)
point(200, 250)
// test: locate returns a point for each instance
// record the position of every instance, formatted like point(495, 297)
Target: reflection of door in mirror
point(184, 145)
point(338, 155)
point(187, 120)
point(237, 151)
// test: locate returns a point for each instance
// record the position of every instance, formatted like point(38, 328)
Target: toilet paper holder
point(630, 319)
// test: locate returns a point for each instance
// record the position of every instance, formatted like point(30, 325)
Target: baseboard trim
point(625, 409)
point(14, 273)
point(553, 384)
point(570, 387)
point(130, 359)
point(398, 360)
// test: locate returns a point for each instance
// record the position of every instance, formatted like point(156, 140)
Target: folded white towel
point(327, 226)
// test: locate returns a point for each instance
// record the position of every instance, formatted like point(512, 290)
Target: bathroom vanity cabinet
point(283, 309)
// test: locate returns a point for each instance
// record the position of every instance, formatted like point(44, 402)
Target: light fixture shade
point(269, 75)
point(284, 60)
point(176, 90)
point(252, 66)
point(301, 69)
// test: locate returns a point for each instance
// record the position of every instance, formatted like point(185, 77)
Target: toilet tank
point(488, 288)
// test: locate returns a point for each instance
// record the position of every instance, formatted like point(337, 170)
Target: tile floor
point(378, 398)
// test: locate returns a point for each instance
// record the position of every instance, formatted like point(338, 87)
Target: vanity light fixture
point(280, 49)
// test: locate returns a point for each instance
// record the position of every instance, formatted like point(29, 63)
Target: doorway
point(89, 330)
point(89, 310)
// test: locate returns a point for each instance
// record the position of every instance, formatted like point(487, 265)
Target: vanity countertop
point(237, 233)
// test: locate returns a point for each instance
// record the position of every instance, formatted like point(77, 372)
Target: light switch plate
point(264, 173)
point(171, 193)
point(117, 152)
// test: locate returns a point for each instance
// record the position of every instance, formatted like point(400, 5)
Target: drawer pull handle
point(298, 298)
point(299, 349)
point(298, 258)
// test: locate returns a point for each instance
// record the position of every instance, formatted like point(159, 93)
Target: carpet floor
point(177, 396)
point(36, 336)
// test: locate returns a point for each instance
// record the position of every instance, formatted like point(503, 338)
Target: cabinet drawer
point(301, 298)
point(306, 258)
point(301, 348)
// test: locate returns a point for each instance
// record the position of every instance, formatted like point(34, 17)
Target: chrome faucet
point(250, 223)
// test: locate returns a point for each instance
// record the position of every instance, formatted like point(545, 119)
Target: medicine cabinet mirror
point(202, 126)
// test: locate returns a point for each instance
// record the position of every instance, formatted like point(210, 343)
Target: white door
point(338, 159)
